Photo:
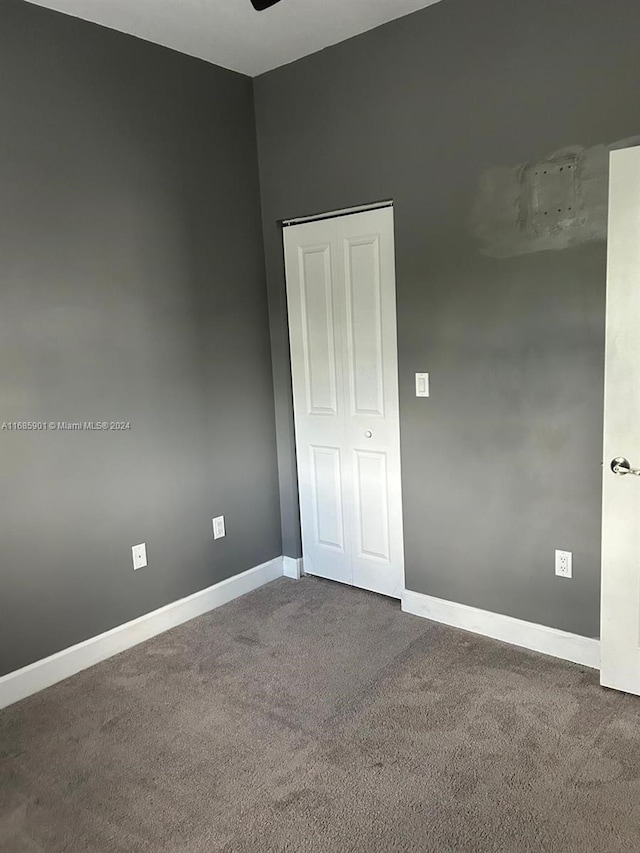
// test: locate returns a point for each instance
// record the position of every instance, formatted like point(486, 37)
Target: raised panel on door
point(371, 505)
point(318, 338)
point(327, 497)
point(364, 325)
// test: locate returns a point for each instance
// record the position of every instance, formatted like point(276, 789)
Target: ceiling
point(231, 34)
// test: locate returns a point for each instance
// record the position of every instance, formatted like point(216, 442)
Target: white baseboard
point(527, 635)
point(43, 673)
point(292, 567)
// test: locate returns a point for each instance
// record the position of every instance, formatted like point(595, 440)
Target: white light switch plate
point(139, 556)
point(422, 384)
point(218, 527)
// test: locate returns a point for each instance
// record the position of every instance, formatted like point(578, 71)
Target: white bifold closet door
point(342, 325)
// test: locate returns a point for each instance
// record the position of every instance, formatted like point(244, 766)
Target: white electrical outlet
point(563, 564)
point(218, 527)
point(139, 556)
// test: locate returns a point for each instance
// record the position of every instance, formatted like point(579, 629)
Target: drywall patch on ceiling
point(232, 34)
point(554, 204)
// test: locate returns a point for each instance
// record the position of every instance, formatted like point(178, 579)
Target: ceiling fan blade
point(261, 5)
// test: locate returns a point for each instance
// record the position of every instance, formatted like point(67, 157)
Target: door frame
point(334, 214)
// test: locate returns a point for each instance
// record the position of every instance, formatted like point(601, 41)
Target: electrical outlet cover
point(139, 553)
point(564, 568)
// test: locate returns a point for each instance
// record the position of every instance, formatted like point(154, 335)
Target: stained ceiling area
point(232, 34)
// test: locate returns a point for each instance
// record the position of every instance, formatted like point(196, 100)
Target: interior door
point(620, 611)
point(342, 326)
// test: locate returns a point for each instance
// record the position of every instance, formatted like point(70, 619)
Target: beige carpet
point(308, 716)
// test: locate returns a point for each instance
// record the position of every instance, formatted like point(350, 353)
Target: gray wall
point(131, 288)
point(502, 464)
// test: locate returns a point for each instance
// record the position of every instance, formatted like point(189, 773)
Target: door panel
point(327, 496)
point(620, 611)
point(372, 505)
point(316, 364)
point(317, 330)
point(372, 417)
point(364, 330)
point(342, 326)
